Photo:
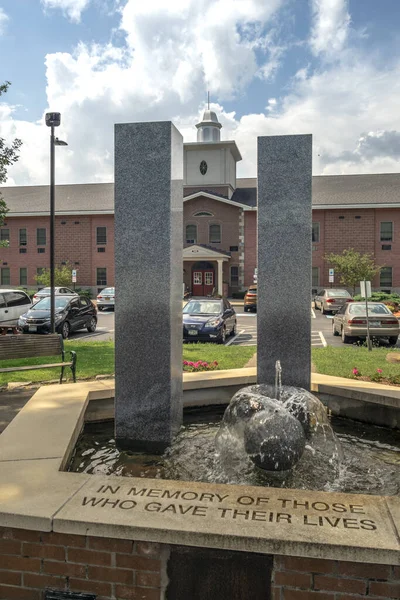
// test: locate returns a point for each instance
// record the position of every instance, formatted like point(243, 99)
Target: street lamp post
point(52, 120)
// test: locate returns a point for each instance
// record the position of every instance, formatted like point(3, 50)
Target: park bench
point(30, 346)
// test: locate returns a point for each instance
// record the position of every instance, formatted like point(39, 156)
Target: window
point(101, 276)
point(85, 301)
point(386, 277)
point(22, 237)
point(315, 232)
point(40, 270)
point(233, 248)
point(101, 235)
point(191, 234)
point(315, 277)
point(234, 276)
point(101, 249)
point(23, 276)
point(215, 234)
point(16, 299)
point(41, 250)
point(4, 234)
point(41, 236)
point(22, 250)
point(386, 231)
point(5, 276)
point(2, 301)
point(203, 213)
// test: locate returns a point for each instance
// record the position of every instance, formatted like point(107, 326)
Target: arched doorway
point(203, 278)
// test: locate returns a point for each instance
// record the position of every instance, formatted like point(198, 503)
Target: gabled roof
point(328, 191)
point(204, 252)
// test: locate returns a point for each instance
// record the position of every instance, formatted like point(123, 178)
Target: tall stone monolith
point(284, 258)
point(148, 282)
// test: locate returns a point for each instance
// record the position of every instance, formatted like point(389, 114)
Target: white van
point(13, 304)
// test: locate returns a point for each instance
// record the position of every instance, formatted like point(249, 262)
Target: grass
point(340, 362)
point(97, 358)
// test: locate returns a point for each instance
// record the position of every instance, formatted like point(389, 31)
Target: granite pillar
point(148, 281)
point(284, 259)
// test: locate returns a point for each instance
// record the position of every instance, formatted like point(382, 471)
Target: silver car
point(331, 300)
point(58, 291)
point(106, 298)
point(351, 322)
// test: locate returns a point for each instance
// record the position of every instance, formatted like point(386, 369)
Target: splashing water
point(278, 380)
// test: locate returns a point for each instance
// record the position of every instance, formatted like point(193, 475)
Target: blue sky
point(327, 67)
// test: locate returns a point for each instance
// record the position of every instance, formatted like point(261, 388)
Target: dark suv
point(72, 313)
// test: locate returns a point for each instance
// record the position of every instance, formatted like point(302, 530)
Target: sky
point(272, 67)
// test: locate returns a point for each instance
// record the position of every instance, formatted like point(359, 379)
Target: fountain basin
point(41, 503)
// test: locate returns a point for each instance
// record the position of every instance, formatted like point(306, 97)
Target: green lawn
point(340, 362)
point(97, 358)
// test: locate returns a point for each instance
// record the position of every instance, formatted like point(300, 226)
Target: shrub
point(86, 293)
point(394, 379)
point(378, 376)
point(238, 295)
point(380, 297)
point(200, 365)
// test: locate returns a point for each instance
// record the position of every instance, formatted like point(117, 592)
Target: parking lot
point(321, 334)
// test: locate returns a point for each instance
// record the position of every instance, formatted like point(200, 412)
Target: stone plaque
point(255, 519)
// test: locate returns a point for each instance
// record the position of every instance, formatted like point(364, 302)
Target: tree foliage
point(8, 156)
point(62, 276)
point(352, 267)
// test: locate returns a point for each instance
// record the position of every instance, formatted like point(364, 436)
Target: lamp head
point(53, 119)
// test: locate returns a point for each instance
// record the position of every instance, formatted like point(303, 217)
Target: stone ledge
point(34, 494)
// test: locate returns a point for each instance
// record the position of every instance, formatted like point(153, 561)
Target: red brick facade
point(76, 242)
point(117, 569)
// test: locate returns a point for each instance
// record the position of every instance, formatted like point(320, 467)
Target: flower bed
point(200, 365)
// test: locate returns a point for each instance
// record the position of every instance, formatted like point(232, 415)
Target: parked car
point(58, 291)
point(208, 320)
point(331, 300)
point(13, 303)
point(72, 313)
point(250, 298)
point(106, 298)
point(351, 322)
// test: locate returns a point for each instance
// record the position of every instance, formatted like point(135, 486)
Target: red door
point(202, 282)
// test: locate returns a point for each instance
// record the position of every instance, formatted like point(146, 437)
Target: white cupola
point(208, 130)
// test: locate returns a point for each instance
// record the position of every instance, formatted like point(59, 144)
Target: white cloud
point(72, 9)
point(171, 58)
point(330, 26)
point(3, 21)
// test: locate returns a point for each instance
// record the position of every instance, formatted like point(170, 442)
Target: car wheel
point(234, 329)
point(246, 309)
point(99, 308)
point(345, 338)
point(222, 338)
point(334, 330)
point(393, 340)
point(65, 329)
point(92, 325)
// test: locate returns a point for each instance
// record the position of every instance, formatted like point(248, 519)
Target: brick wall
point(317, 579)
point(114, 569)
point(31, 561)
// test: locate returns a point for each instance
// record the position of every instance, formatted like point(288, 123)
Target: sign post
point(331, 276)
point(365, 288)
point(74, 277)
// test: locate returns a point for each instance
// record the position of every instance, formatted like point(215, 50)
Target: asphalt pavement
point(321, 325)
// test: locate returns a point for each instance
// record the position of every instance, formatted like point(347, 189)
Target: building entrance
point(203, 279)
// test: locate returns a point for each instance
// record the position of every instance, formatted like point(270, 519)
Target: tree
point(8, 156)
point(353, 267)
point(62, 276)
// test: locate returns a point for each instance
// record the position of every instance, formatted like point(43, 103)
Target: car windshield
point(108, 291)
point(252, 289)
point(44, 291)
point(205, 307)
point(44, 304)
point(338, 294)
point(373, 309)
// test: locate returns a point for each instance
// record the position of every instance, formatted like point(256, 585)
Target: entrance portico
point(200, 274)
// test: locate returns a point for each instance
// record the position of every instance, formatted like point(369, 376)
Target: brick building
point(220, 223)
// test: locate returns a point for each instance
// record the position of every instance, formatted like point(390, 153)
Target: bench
point(30, 346)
